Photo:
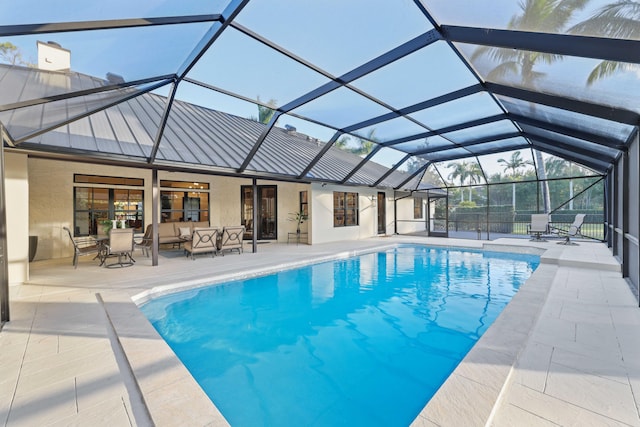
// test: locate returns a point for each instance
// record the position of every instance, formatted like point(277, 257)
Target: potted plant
point(299, 218)
point(107, 225)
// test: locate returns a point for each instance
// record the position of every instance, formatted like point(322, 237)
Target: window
point(187, 201)
point(304, 203)
point(345, 209)
point(417, 208)
point(94, 204)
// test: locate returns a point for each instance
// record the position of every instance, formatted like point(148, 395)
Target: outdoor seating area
point(176, 233)
point(541, 228)
point(194, 238)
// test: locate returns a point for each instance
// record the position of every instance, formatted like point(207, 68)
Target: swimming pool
point(360, 341)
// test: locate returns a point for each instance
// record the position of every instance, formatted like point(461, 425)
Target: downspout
point(254, 234)
point(4, 273)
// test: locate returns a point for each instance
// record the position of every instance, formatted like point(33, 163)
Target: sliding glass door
point(267, 228)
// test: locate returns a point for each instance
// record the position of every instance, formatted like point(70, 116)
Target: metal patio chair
point(120, 245)
point(539, 226)
point(203, 241)
point(231, 239)
point(82, 246)
point(573, 230)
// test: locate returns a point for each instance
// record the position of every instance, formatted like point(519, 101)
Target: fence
point(478, 223)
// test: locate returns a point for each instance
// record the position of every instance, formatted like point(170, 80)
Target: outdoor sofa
point(178, 232)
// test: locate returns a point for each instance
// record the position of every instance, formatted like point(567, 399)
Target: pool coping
point(173, 397)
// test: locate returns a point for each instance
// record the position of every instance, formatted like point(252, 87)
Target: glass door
point(437, 221)
point(267, 213)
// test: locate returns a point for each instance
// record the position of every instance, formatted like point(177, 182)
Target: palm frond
point(503, 70)
point(479, 52)
point(620, 20)
point(608, 68)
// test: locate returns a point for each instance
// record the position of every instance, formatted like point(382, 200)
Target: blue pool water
point(361, 341)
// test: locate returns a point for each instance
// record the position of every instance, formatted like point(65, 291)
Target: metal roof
point(394, 89)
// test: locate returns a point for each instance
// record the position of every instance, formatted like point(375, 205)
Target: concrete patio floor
point(566, 351)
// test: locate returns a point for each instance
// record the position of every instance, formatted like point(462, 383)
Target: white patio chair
point(573, 230)
point(539, 226)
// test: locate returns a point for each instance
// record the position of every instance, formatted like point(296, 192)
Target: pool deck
point(565, 351)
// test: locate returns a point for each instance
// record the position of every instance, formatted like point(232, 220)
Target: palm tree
point(617, 20)
point(475, 175)
point(548, 16)
point(266, 112)
point(361, 146)
point(514, 164)
point(459, 170)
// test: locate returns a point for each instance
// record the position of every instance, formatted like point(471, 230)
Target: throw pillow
point(185, 232)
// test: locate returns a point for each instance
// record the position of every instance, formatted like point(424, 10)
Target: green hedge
point(471, 218)
point(594, 216)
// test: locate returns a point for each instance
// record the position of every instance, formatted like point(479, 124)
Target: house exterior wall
point(51, 200)
point(406, 222)
point(17, 199)
point(321, 208)
point(47, 188)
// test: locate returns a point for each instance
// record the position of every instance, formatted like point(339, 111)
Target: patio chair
point(231, 239)
point(573, 230)
point(82, 246)
point(539, 226)
point(203, 241)
point(120, 245)
point(147, 241)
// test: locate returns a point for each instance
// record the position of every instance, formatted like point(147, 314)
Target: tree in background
point(265, 113)
point(547, 16)
point(11, 54)
point(616, 20)
point(357, 145)
point(465, 171)
point(513, 165)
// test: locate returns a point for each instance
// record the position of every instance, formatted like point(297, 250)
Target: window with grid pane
point(417, 208)
point(345, 209)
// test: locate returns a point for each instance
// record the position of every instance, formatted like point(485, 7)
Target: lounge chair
point(204, 240)
point(573, 230)
point(82, 246)
point(120, 245)
point(539, 226)
point(231, 238)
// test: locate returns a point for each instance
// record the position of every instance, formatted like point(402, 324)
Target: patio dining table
point(103, 244)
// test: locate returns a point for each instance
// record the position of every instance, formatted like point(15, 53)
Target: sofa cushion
point(166, 229)
point(184, 232)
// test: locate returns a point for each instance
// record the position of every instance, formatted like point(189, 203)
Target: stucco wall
point(49, 203)
point(17, 198)
point(321, 209)
point(51, 200)
point(406, 222)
